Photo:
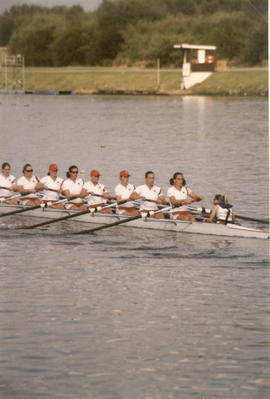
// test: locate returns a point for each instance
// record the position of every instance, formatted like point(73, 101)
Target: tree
point(181, 6)
point(114, 15)
point(6, 28)
point(33, 40)
point(256, 49)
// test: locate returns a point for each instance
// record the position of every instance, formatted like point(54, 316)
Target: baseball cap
point(124, 173)
point(53, 167)
point(95, 172)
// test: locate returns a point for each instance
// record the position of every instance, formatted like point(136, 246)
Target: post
point(158, 73)
point(6, 77)
point(23, 74)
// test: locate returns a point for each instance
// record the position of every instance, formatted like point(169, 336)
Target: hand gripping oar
point(74, 215)
point(4, 199)
point(208, 211)
point(105, 226)
point(30, 208)
point(5, 188)
point(98, 195)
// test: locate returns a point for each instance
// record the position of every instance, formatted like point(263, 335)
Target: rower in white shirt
point(7, 184)
point(149, 191)
point(181, 196)
point(72, 188)
point(52, 186)
point(123, 191)
point(29, 186)
point(95, 193)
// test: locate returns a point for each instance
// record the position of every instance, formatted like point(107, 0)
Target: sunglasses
point(74, 171)
point(29, 170)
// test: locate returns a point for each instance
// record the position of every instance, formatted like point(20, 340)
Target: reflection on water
point(127, 313)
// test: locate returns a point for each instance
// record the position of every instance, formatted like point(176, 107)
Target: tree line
point(136, 32)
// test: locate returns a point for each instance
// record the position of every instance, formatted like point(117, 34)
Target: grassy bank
point(93, 79)
point(88, 80)
point(235, 83)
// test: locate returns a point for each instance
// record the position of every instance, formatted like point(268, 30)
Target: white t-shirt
point(152, 193)
point(6, 182)
point(96, 189)
point(179, 195)
point(125, 192)
point(222, 213)
point(73, 187)
point(28, 185)
point(54, 185)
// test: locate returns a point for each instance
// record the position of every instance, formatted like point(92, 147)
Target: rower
point(7, 184)
point(221, 211)
point(52, 186)
point(123, 191)
point(181, 196)
point(95, 193)
point(29, 186)
point(72, 188)
point(149, 191)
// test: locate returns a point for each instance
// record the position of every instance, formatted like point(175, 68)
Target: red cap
point(53, 167)
point(124, 173)
point(95, 172)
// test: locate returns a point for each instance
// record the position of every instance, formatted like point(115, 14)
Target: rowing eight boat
point(230, 230)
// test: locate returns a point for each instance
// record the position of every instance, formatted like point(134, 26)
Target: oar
point(74, 215)
point(5, 188)
point(99, 195)
point(106, 226)
point(208, 211)
point(154, 201)
point(19, 211)
point(4, 199)
point(30, 208)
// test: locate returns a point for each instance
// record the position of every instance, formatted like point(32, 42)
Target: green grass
point(241, 83)
point(92, 79)
point(87, 79)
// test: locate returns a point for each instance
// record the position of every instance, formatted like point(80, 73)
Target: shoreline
point(175, 93)
point(108, 81)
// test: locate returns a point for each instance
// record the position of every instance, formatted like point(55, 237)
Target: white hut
point(198, 63)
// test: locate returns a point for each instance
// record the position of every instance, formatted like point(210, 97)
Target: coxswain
point(28, 186)
point(149, 191)
point(180, 197)
point(123, 191)
point(95, 192)
point(52, 186)
point(221, 211)
point(8, 185)
point(71, 188)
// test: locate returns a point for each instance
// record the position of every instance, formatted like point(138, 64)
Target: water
point(127, 313)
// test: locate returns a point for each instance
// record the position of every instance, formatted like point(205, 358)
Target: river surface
point(125, 313)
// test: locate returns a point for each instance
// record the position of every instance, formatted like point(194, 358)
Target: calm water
point(130, 314)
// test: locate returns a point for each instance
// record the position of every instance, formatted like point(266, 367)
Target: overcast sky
point(88, 5)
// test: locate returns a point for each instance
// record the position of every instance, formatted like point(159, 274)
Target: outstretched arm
point(196, 197)
point(212, 215)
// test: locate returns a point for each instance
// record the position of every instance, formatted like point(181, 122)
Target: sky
point(88, 5)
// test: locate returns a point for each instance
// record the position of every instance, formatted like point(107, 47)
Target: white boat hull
point(230, 230)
